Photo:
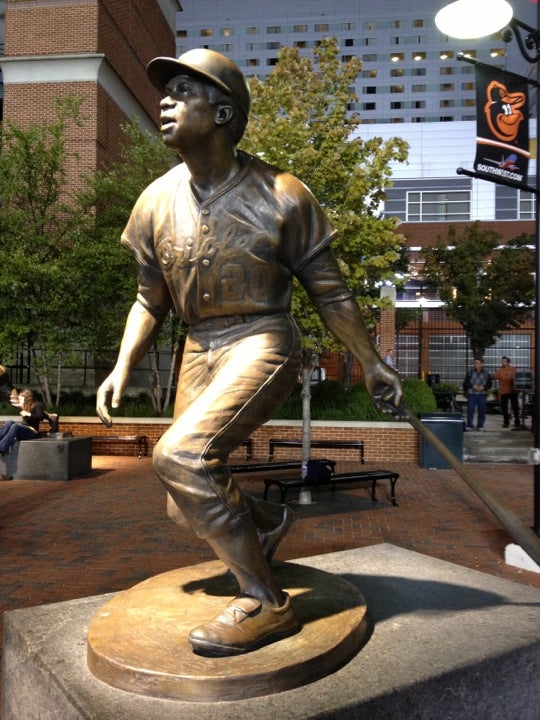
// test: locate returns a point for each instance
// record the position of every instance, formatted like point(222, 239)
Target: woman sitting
point(32, 413)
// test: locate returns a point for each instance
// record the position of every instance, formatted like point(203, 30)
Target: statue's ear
point(223, 114)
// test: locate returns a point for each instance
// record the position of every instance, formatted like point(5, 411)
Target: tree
point(39, 222)
point(65, 280)
point(301, 121)
point(107, 271)
point(486, 287)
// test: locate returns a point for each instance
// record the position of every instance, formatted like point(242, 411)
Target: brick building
point(95, 49)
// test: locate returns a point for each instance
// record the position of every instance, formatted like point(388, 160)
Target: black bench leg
point(393, 490)
point(373, 491)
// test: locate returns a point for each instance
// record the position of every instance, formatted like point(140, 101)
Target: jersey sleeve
point(307, 231)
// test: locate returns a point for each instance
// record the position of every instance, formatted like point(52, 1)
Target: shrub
point(331, 401)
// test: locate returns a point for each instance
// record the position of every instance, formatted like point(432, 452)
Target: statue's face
point(187, 115)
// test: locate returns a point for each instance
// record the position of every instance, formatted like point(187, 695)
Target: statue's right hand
point(109, 388)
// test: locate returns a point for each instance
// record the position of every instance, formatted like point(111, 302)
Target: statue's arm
point(142, 326)
point(340, 312)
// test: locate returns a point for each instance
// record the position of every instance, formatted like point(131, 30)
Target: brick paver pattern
point(108, 531)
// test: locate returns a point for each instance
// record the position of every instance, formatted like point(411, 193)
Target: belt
point(225, 321)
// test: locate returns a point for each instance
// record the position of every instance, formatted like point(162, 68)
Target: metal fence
point(433, 344)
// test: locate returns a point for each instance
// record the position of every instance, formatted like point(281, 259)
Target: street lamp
point(479, 18)
point(473, 19)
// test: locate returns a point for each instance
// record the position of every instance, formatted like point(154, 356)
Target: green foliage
point(485, 288)
point(445, 388)
point(39, 228)
point(65, 280)
point(332, 401)
point(300, 122)
point(106, 280)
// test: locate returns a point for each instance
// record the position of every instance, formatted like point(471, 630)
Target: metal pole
point(518, 531)
point(536, 396)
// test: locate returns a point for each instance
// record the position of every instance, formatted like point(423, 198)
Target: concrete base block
point(49, 458)
point(447, 642)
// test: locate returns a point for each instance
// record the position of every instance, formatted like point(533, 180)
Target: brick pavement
point(107, 531)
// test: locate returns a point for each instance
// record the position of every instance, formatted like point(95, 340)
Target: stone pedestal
point(49, 458)
point(447, 642)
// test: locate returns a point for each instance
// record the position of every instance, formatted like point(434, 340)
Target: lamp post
point(479, 18)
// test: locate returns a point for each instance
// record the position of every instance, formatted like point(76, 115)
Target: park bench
point(272, 466)
point(140, 441)
point(367, 476)
point(318, 444)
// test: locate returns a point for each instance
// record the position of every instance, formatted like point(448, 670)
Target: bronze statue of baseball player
point(219, 238)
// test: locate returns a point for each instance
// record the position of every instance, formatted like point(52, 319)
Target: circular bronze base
point(138, 641)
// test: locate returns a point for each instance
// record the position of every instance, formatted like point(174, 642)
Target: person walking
point(476, 384)
point(219, 238)
point(507, 392)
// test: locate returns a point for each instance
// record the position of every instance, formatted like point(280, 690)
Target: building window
point(369, 58)
point(251, 31)
point(369, 106)
point(449, 205)
point(253, 62)
point(321, 27)
point(300, 44)
point(273, 45)
point(206, 32)
point(418, 88)
point(526, 205)
point(418, 23)
point(396, 88)
point(446, 70)
point(273, 29)
point(369, 73)
point(447, 87)
point(226, 32)
point(181, 33)
point(300, 28)
point(396, 105)
point(349, 42)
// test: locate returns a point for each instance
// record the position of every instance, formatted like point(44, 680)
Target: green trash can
point(448, 428)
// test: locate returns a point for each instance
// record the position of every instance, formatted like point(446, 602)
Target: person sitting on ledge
point(27, 428)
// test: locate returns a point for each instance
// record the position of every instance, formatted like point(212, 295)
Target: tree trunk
point(155, 382)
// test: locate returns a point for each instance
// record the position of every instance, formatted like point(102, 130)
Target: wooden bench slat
point(320, 444)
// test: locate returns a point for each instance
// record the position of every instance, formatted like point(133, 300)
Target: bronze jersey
point(234, 253)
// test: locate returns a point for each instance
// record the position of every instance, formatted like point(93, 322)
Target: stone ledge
point(448, 642)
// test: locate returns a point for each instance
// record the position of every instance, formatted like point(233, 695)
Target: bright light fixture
point(473, 18)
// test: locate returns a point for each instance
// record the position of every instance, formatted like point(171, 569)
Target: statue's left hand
point(384, 387)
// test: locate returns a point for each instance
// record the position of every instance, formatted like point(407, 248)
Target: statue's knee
point(171, 462)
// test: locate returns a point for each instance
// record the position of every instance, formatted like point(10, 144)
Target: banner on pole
point(502, 125)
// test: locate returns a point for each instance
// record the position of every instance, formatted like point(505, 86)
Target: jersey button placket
point(205, 262)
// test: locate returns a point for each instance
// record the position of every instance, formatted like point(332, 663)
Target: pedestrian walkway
point(108, 531)
point(497, 444)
